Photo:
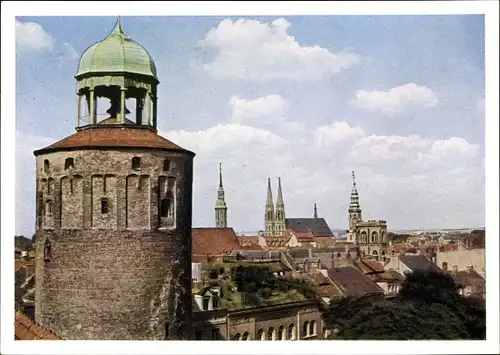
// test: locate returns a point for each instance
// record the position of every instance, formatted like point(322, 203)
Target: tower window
point(166, 209)
point(46, 165)
point(69, 163)
point(136, 163)
point(167, 326)
point(47, 251)
point(166, 165)
point(48, 208)
point(104, 205)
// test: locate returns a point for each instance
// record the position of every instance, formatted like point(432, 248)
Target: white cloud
point(335, 133)
point(397, 100)
point(398, 176)
point(69, 52)
point(30, 36)
point(250, 49)
point(262, 107)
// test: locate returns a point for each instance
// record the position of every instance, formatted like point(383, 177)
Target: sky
point(397, 99)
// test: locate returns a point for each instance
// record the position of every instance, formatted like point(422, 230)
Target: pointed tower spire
point(279, 200)
point(118, 27)
point(220, 204)
point(354, 207)
point(269, 212)
point(315, 211)
point(280, 223)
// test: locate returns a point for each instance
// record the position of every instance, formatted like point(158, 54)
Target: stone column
point(151, 108)
point(139, 105)
point(155, 105)
point(122, 105)
point(78, 108)
point(93, 118)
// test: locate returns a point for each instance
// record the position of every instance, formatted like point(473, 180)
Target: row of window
point(308, 329)
point(166, 206)
point(136, 164)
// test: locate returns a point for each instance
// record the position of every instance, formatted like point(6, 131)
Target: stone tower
point(269, 212)
point(315, 211)
point(354, 208)
point(279, 226)
point(113, 208)
point(220, 205)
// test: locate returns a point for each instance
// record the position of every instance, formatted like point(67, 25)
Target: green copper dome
point(116, 54)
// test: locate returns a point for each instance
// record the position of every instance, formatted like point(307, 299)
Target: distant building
point(211, 244)
point(409, 263)
point(370, 236)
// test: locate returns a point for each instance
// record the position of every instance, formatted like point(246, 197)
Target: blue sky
point(398, 99)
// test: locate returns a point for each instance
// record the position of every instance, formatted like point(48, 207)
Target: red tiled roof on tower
point(112, 137)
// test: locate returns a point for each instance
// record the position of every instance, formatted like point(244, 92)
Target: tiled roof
point(353, 282)
point(112, 137)
point(325, 241)
point(26, 329)
point(466, 278)
point(19, 264)
point(304, 237)
point(448, 247)
point(317, 226)
point(213, 241)
point(322, 285)
point(387, 276)
point(418, 262)
point(248, 239)
point(474, 240)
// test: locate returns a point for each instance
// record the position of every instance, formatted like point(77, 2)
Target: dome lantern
point(120, 70)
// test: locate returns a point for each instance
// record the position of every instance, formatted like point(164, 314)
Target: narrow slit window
point(69, 163)
point(167, 326)
point(164, 207)
point(104, 206)
point(136, 163)
point(47, 251)
point(166, 165)
point(48, 208)
point(46, 165)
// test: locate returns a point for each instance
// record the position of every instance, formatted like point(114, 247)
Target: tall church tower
point(279, 227)
point(113, 209)
point(220, 204)
point(354, 208)
point(269, 212)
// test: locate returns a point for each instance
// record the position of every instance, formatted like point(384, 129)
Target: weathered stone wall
point(372, 238)
point(119, 274)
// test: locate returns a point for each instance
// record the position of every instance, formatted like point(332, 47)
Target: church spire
point(280, 223)
point(269, 212)
point(354, 207)
point(269, 200)
point(315, 211)
point(279, 200)
point(220, 204)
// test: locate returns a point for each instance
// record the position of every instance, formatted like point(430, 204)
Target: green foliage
point(23, 243)
point(428, 307)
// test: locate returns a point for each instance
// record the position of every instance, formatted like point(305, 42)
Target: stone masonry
point(111, 263)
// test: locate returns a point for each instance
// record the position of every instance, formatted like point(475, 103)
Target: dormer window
point(46, 166)
point(136, 163)
point(69, 163)
point(104, 206)
point(166, 165)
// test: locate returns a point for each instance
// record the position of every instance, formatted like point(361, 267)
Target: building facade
point(113, 206)
point(289, 321)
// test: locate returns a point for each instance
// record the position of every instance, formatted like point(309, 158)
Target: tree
point(428, 307)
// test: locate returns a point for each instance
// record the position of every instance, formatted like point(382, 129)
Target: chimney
point(455, 268)
point(470, 268)
point(310, 253)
